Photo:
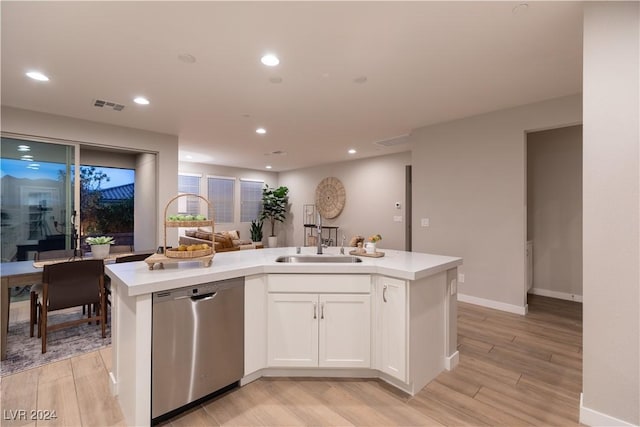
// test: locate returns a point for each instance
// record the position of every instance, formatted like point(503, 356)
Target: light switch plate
point(397, 218)
point(424, 222)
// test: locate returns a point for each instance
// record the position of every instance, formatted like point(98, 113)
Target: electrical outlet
point(424, 222)
point(397, 218)
point(461, 277)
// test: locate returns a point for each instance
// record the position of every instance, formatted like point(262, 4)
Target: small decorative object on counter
point(355, 240)
point(370, 246)
point(100, 246)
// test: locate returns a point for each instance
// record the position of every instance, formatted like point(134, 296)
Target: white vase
point(272, 241)
point(370, 248)
point(100, 251)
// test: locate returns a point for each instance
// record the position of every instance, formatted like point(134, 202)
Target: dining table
point(23, 273)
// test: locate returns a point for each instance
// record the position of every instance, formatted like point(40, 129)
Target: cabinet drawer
point(320, 283)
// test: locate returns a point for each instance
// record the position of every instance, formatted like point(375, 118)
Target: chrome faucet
point(319, 230)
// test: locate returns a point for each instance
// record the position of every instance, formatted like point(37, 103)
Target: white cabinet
point(292, 330)
point(391, 331)
point(345, 331)
point(313, 329)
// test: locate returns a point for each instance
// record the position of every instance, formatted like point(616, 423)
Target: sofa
point(223, 241)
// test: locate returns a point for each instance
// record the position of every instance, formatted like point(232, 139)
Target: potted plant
point(274, 208)
point(100, 246)
point(256, 231)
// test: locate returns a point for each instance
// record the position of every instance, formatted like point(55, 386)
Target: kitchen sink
point(318, 258)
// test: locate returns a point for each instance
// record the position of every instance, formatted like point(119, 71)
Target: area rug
point(25, 353)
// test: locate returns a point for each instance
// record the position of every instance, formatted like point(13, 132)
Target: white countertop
point(139, 280)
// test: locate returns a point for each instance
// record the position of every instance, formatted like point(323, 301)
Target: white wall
point(554, 205)
point(469, 180)
point(372, 185)
point(107, 158)
point(204, 170)
point(611, 322)
point(41, 125)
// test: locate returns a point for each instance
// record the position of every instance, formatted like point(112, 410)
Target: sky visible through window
point(46, 170)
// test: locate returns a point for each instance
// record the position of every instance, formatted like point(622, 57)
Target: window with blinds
point(220, 192)
point(189, 184)
point(250, 199)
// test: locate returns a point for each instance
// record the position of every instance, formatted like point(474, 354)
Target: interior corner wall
point(203, 169)
point(50, 126)
point(373, 186)
point(469, 181)
point(554, 210)
point(611, 214)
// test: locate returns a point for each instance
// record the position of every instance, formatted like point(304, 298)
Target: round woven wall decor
point(330, 197)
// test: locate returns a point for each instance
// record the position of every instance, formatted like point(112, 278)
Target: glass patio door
point(37, 197)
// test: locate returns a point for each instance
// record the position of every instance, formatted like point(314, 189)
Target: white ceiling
point(425, 62)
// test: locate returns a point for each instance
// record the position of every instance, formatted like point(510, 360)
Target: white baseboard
point(451, 362)
point(592, 417)
point(503, 306)
point(556, 294)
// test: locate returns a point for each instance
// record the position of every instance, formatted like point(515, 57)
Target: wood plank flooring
point(514, 371)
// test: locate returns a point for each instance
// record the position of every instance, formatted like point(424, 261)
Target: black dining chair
point(71, 284)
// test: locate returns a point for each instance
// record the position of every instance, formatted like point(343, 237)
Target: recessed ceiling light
point(36, 75)
point(352, 151)
point(188, 156)
point(360, 80)
point(268, 167)
point(24, 148)
point(141, 100)
point(275, 80)
point(261, 131)
point(270, 60)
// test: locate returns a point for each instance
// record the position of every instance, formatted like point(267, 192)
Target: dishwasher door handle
point(204, 297)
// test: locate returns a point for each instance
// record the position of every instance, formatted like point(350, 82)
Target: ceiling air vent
point(392, 142)
point(107, 104)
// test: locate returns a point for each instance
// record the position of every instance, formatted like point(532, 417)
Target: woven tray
point(376, 254)
point(172, 253)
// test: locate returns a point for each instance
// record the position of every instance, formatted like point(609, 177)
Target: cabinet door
point(292, 330)
point(392, 327)
point(345, 330)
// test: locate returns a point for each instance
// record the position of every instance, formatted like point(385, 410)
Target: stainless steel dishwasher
point(198, 343)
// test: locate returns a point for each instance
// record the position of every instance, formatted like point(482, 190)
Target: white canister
point(370, 247)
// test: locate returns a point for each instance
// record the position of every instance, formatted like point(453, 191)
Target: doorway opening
point(554, 213)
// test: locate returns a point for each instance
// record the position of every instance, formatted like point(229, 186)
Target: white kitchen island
point(392, 318)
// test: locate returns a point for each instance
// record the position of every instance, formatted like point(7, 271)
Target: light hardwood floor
point(514, 371)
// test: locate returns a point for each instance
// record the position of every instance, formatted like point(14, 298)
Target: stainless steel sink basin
point(319, 258)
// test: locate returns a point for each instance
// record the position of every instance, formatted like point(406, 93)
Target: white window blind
point(250, 200)
point(189, 184)
point(220, 192)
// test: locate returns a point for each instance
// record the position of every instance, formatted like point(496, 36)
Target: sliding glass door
point(37, 197)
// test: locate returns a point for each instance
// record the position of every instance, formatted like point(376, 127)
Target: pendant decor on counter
point(330, 197)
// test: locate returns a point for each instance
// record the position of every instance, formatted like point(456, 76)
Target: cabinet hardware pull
point(315, 315)
point(322, 311)
point(384, 293)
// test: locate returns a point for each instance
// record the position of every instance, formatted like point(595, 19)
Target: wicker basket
point(174, 253)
